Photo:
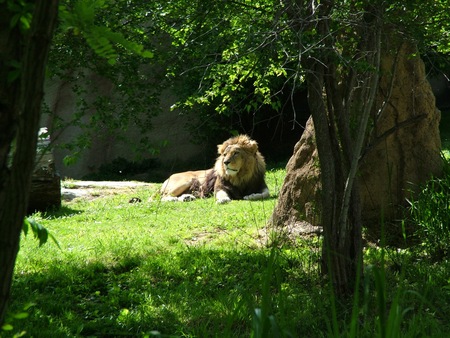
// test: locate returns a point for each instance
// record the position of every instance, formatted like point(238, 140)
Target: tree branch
point(390, 131)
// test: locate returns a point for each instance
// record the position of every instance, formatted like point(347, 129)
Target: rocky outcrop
point(403, 150)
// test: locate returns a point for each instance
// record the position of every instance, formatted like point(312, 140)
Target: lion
point(238, 174)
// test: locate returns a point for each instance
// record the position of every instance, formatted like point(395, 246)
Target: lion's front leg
point(222, 197)
point(258, 196)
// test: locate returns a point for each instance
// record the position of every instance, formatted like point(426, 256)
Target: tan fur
point(179, 183)
point(238, 173)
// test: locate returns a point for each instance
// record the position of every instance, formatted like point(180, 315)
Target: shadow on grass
point(63, 211)
point(195, 292)
point(200, 292)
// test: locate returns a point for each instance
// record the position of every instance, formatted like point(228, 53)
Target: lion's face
point(239, 160)
point(232, 159)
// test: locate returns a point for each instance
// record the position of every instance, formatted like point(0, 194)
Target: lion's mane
point(249, 179)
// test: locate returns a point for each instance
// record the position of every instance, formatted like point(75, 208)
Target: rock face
point(299, 195)
point(403, 149)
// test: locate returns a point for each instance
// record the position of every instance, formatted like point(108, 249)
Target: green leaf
point(7, 327)
point(21, 315)
point(28, 306)
point(25, 226)
point(39, 231)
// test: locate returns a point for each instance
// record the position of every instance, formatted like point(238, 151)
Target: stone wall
point(168, 128)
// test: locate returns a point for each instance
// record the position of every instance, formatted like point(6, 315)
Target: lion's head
point(239, 160)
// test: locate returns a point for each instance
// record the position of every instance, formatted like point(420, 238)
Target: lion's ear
point(253, 146)
point(221, 148)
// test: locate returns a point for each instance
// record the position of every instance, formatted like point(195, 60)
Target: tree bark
point(20, 103)
point(340, 96)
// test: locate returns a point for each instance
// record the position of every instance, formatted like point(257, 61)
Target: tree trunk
point(333, 108)
point(45, 189)
point(340, 98)
point(20, 103)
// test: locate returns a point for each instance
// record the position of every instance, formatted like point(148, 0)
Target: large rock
point(403, 151)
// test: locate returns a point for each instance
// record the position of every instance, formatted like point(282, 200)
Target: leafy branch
point(81, 20)
point(39, 232)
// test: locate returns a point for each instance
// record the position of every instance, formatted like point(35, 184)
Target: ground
point(93, 189)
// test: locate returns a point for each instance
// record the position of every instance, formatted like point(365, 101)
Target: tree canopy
point(224, 60)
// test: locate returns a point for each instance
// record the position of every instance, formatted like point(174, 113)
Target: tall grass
point(430, 213)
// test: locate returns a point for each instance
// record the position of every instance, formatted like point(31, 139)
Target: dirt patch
point(94, 189)
point(270, 235)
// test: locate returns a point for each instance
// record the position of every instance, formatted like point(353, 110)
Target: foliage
point(21, 13)
point(428, 22)
point(38, 230)
point(112, 76)
point(23, 314)
point(430, 213)
point(233, 64)
point(81, 19)
point(239, 61)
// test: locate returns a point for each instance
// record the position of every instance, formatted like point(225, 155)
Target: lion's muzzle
point(231, 172)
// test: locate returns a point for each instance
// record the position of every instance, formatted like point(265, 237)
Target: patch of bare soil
point(270, 235)
point(95, 189)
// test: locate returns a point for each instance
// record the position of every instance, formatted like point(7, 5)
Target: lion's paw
point(223, 200)
point(257, 196)
point(186, 198)
point(253, 197)
point(169, 199)
point(222, 197)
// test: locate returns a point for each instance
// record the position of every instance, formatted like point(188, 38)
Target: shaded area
point(196, 292)
point(199, 292)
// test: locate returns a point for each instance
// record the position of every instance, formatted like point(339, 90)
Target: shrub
point(430, 212)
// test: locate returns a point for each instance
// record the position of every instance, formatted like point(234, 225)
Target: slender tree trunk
point(20, 103)
point(338, 147)
point(340, 97)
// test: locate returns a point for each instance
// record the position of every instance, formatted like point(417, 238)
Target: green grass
point(444, 127)
point(201, 270)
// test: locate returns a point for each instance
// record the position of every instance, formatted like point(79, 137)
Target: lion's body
point(237, 174)
point(188, 182)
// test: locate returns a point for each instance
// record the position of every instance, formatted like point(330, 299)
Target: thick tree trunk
point(20, 111)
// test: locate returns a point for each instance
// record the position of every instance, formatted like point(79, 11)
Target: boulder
point(402, 153)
